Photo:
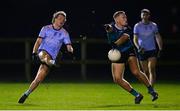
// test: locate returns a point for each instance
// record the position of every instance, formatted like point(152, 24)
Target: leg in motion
point(141, 76)
point(118, 73)
point(41, 74)
point(152, 69)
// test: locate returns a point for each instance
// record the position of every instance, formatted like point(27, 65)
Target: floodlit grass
point(87, 96)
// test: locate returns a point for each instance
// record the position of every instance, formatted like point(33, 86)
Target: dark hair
point(116, 14)
point(55, 15)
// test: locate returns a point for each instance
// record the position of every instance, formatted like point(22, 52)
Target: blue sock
point(27, 92)
point(134, 92)
point(150, 89)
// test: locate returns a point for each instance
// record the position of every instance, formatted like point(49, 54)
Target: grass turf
point(87, 96)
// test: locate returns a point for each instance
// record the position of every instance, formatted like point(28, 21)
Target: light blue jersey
point(146, 35)
point(53, 39)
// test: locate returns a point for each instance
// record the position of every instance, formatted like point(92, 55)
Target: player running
point(119, 37)
point(146, 36)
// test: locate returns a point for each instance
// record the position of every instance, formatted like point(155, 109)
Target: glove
point(35, 58)
point(108, 27)
point(141, 50)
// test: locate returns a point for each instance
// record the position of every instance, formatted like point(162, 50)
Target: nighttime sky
point(24, 18)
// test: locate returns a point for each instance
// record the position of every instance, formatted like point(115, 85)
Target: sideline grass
point(87, 96)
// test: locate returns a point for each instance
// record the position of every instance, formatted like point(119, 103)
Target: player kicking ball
point(46, 49)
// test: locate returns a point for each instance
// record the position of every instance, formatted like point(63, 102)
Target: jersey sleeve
point(66, 39)
point(128, 31)
point(42, 33)
point(135, 30)
point(109, 37)
point(156, 28)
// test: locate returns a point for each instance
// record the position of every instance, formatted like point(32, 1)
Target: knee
point(118, 80)
point(136, 72)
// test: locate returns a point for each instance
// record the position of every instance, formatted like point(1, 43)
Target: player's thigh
point(152, 62)
point(144, 65)
point(133, 64)
point(42, 72)
point(117, 70)
point(43, 54)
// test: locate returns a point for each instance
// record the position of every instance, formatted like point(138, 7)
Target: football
point(114, 55)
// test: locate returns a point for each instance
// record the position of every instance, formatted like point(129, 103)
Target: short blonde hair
point(116, 14)
point(55, 15)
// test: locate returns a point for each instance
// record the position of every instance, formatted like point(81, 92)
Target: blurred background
point(21, 21)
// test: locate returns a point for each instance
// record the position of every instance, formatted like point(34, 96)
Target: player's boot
point(138, 99)
point(23, 98)
point(154, 96)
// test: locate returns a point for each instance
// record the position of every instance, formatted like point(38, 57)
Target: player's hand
point(108, 27)
point(141, 50)
point(70, 48)
point(35, 58)
point(71, 52)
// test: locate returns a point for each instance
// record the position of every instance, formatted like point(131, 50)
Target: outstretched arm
point(37, 44)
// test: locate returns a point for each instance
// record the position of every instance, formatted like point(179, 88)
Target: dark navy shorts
point(125, 55)
point(147, 54)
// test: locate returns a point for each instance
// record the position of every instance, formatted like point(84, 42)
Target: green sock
point(134, 92)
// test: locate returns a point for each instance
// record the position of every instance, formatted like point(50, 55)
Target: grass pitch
point(87, 96)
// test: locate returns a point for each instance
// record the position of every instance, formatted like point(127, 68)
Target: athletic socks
point(150, 89)
point(27, 92)
point(134, 93)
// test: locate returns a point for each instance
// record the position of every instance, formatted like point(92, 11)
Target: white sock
point(52, 62)
point(27, 92)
